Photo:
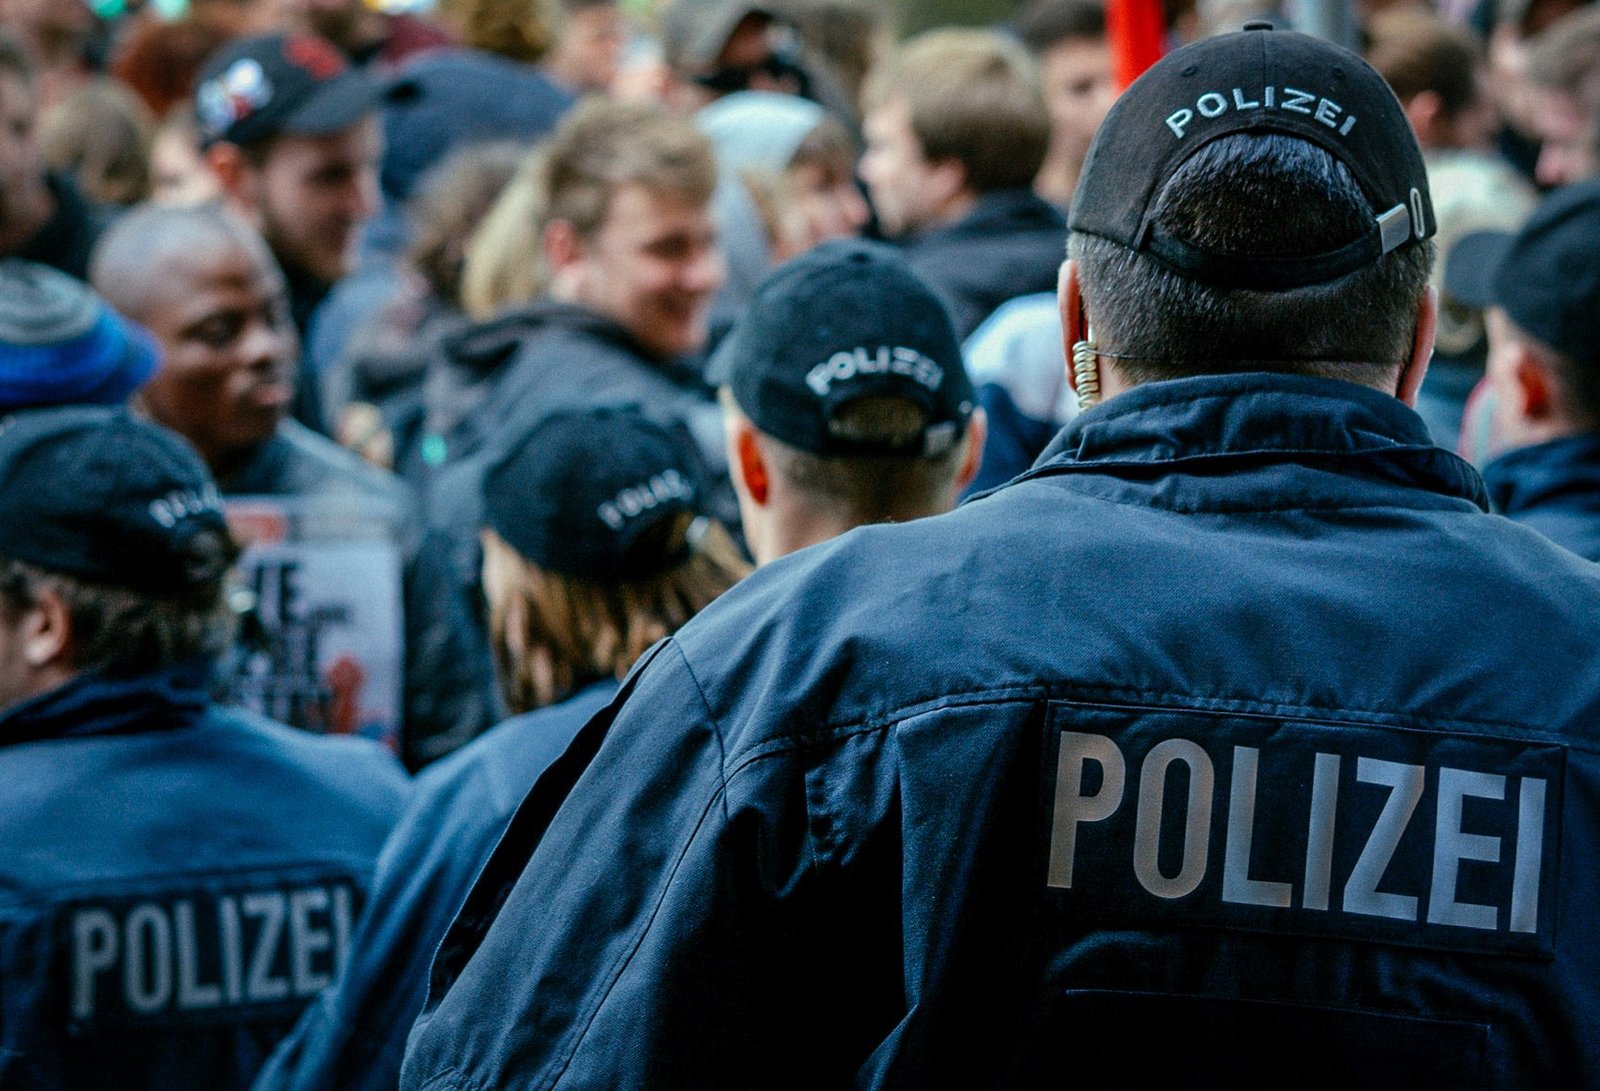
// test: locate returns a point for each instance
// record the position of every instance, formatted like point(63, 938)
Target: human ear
point(1415, 367)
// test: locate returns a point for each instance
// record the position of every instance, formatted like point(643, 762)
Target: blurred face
point(1566, 135)
point(653, 266)
point(1078, 91)
point(312, 195)
point(588, 53)
point(828, 201)
point(178, 176)
point(21, 169)
point(228, 350)
point(905, 186)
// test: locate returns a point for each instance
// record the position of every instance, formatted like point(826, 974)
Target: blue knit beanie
point(60, 344)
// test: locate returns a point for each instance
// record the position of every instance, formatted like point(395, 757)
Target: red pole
point(1137, 30)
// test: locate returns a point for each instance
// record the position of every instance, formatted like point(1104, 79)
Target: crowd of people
point(565, 543)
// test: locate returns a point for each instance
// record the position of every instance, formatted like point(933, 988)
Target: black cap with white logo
point(845, 320)
point(1255, 81)
point(102, 496)
point(1546, 276)
point(580, 490)
point(259, 87)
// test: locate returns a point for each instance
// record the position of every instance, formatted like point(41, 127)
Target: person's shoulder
point(864, 620)
point(497, 768)
point(321, 465)
point(345, 766)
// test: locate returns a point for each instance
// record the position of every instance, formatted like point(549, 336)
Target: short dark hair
point(871, 488)
point(1265, 195)
point(1045, 25)
point(122, 631)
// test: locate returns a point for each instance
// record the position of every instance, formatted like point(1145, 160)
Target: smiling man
point(291, 132)
point(203, 283)
point(630, 252)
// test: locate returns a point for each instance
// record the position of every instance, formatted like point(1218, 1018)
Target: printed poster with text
point(321, 643)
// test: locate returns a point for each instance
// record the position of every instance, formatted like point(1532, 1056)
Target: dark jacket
point(492, 382)
point(1233, 745)
point(1012, 243)
point(442, 671)
point(179, 881)
point(354, 1037)
point(1554, 488)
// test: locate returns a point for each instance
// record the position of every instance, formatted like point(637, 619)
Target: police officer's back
point(179, 879)
point(1234, 745)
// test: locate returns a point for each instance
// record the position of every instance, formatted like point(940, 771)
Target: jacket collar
point(1561, 472)
point(97, 704)
point(1258, 418)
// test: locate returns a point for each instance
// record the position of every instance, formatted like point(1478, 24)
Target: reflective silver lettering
point(1241, 103)
point(192, 995)
point(1197, 818)
point(1298, 100)
point(1212, 104)
point(1361, 894)
point(1530, 856)
point(343, 915)
point(1319, 834)
point(1451, 845)
point(306, 940)
point(147, 959)
point(1349, 123)
point(94, 951)
point(1180, 121)
point(1237, 886)
point(1269, 94)
point(1328, 112)
point(268, 907)
point(232, 936)
point(1072, 806)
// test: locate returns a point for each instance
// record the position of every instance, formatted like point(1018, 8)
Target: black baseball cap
point(845, 320)
point(102, 496)
point(577, 492)
point(1258, 80)
point(258, 87)
point(1546, 277)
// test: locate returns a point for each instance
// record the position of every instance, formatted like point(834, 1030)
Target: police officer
point(1235, 744)
point(1541, 286)
point(180, 879)
point(865, 416)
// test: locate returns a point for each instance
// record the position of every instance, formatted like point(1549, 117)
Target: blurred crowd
point(496, 333)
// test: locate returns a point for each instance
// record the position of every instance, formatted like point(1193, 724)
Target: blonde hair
point(504, 258)
point(552, 633)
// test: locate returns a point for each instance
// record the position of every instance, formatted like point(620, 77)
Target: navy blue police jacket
point(1233, 745)
point(179, 880)
point(354, 1037)
point(1553, 487)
